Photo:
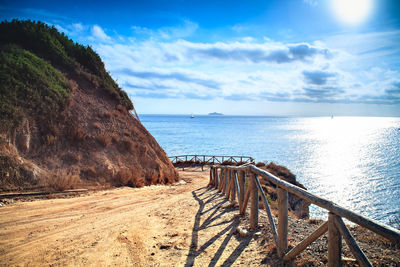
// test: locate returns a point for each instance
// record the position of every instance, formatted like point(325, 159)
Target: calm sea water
point(353, 161)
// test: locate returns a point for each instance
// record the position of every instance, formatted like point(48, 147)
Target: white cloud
point(186, 29)
point(162, 64)
point(99, 34)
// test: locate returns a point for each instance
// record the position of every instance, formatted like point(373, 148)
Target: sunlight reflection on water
point(353, 161)
point(345, 161)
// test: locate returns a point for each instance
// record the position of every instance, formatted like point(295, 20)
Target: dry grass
point(72, 157)
point(72, 85)
point(96, 125)
point(127, 133)
point(114, 94)
point(128, 177)
point(51, 140)
point(121, 108)
point(104, 139)
point(114, 137)
point(63, 180)
point(77, 134)
point(151, 177)
point(128, 145)
point(105, 114)
point(90, 172)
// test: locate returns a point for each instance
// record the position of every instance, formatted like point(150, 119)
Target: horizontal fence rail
point(209, 159)
point(231, 181)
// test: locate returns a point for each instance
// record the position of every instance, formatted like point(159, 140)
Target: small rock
point(178, 247)
point(345, 259)
point(165, 246)
point(242, 232)
point(258, 234)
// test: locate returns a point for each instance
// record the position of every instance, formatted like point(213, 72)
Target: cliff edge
point(64, 122)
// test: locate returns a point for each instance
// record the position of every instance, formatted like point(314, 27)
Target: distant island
point(215, 114)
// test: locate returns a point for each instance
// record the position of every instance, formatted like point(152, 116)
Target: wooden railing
point(231, 180)
point(210, 160)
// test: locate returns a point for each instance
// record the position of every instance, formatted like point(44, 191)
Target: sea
point(352, 161)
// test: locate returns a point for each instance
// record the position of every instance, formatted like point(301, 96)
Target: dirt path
point(181, 225)
point(158, 225)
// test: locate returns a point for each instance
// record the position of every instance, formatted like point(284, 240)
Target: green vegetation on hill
point(28, 85)
point(31, 53)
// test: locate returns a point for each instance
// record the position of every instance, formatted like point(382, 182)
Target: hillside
point(64, 122)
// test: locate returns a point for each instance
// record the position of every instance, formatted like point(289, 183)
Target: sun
point(352, 12)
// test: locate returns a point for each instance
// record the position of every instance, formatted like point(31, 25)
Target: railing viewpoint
point(210, 160)
point(231, 181)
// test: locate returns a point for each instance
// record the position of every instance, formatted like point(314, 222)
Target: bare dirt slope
point(180, 225)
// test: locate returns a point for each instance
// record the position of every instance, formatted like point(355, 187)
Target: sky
point(286, 57)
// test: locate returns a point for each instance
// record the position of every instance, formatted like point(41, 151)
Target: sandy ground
point(186, 224)
point(152, 226)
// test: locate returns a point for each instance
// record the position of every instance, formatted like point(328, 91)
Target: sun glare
point(352, 12)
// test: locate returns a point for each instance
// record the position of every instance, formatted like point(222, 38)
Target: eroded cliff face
point(94, 138)
point(64, 122)
point(298, 206)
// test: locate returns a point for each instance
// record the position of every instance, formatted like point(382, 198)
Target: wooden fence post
point(229, 183)
point(334, 243)
point(212, 181)
point(216, 178)
point(283, 221)
point(233, 192)
point(254, 202)
point(221, 180)
point(241, 189)
point(226, 181)
point(223, 173)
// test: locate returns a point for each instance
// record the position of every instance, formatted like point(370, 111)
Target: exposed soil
point(94, 137)
point(176, 225)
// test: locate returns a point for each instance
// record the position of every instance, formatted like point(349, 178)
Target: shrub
point(63, 180)
point(124, 176)
point(282, 172)
point(260, 164)
point(49, 44)
point(29, 86)
point(104, 139)
point(90, 172)
point(128, 177)
point(151, 176)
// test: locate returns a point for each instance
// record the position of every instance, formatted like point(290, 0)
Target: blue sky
point(293, 57)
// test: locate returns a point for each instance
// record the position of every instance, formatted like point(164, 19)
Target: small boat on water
point(192, 117)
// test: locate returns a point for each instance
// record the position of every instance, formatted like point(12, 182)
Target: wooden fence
point(210, 160)
point(231, 180)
